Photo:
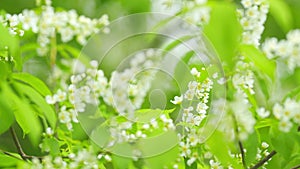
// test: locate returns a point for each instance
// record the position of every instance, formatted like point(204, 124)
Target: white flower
point(264, 145)
point(285, 125)
point(215, 165)
point(64, 116)
point(50, 99)
point(49, 131)
point(277, 111)
point(262, 112)
point(177, 100)
point(189, 95)
point(185, 149)
point(195, 72)
point(60, 96)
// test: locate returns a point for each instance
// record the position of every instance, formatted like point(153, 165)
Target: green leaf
point(40, 101)
point(76, 53)
point(259, 59)
point(281, 12)
point(177, 42)
point(6, 113)
point(224, 30)
point(50, 145)
point(292, 93)
point(145, 115)
point(25, 116)
point(121, 162)
point(12, 43)
point(3, 71)
point(284, 144)
point(33, 81)
point(161, 159)
point(7, 161)
point(265, 123)
point(251, 145)
point(220, 148)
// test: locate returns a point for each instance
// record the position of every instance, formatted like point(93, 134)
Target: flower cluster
point(48, 24)
point(263, 152)
point(12, 22)
point(125, 132)
point(252, 20)
point(243, 116)
point(85, 88)
point(287, 114)
point(243, 79)
point(198, 92)
point(128, 88)
point(198, 14)
point(84, 158)
point(287, 51)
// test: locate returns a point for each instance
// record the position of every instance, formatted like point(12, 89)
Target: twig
point(262, 162)
point(17, 143)
point(9, 154)
point(243, 154)
point(296, 167)
point(19, 147)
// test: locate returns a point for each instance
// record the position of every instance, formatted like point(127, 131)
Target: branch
point(17, 143)
point(19, 147)
point(243, 154)
point(262, 162)
point(296, 167)
point(9, 154)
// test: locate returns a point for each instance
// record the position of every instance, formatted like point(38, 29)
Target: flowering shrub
point(188, 84)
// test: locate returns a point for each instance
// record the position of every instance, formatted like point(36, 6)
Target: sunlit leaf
point(33, 81)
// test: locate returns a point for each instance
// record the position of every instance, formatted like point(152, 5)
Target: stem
point(17, 143)
point(53, 51)
point(9, 154)
point(19, 147)
point(239, 141)
point(262, 162)
point(296, 167)
point(243, 154)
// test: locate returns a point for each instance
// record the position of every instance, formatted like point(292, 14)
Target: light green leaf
point(7, 161)
point(280, 10)
point(6, 113)
point(12, 43)
point(40, 101)
point(145, 115)
point(25, 116)
point(224, 30)
point(259, 59)
point(76, 53)
point(220, 148)
point(33, 81)
point(50, 145)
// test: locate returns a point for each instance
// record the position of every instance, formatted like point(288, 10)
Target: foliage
point(235, 107)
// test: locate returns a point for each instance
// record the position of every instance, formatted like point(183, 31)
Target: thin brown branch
point(9, 154)
point(19, 147)
point(296, 167)
point(242, 153)
point(264, 160)
point(17, 143)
